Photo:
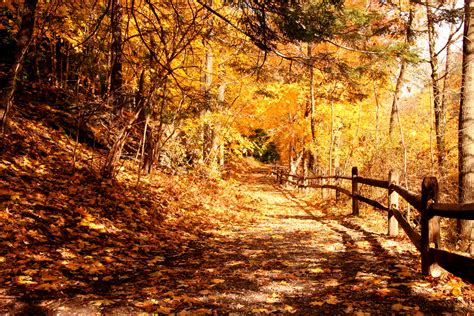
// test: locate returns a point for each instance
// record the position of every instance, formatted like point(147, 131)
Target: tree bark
point(208, 130)
point(23, 40)
point(377, 114)
point(438, 105)
point(311, 91)
point(401, 75)
point(116, 80)
point(220, 143)
point(466, 127)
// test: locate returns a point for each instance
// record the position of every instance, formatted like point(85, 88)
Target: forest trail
point(293, 257)
point(301, 259)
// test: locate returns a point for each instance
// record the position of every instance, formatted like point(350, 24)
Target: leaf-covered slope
point(64, 231)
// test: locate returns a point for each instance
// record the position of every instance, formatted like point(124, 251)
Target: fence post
point(355, 191)
point(393, 178)
point(429, 195)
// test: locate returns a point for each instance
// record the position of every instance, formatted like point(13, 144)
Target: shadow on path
point(296, 258)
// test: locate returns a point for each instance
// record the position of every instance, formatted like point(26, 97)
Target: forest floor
point(72, 243)
point(293, 257)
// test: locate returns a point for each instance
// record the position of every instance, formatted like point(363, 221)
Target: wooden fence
point(425, 203)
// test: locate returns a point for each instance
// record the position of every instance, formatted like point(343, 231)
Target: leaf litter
point(184, 244)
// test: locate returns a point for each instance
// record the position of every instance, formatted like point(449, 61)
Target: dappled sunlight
point(273, 250)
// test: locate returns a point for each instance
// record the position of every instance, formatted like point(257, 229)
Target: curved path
point(301, 260)
point(294, 257)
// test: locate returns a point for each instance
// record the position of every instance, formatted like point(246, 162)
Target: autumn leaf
point(273, 299)
point(25, 279)
point(107, 278)
point(349, 309)
point(332, 300)
point(290, 309)
point(202, 311)
point(234, 263)
point(102, 302)
point(399, 307)
point(387, 291)
point(331, 282)
point(260, 310)
point(47, 286)
point(156, 274)
point(157, 259)
point(30, 272)
point(217, 281)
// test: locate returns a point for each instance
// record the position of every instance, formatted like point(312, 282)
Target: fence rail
point(425, 203)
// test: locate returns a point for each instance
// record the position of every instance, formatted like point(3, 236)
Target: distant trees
point(23, 38)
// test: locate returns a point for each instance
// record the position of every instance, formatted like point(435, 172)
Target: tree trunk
point(311, 91)
point(208, 130)
point(115, 80)
point(220, 142)
point(401, 76)
point(312, 106)
point(23, 41)
point(438, 105)
point(466, 127)
point(53, 63)
point(208, 133)
point(377, 115)
point(113, 157)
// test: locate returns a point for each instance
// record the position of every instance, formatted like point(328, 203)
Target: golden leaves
point(234, 263)
point(157, 259)
point(397, 307)
point(25, 280)
point(331, 300)
point(217, 281)
point(316, 270)
point(331, 283)
point(156, 274)
point(387, 292)
point(102, 302)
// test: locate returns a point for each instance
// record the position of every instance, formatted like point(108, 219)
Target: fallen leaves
point(331, 283)
point(399, 307)
point(102, 302)
point(156, 274)
point(332, 300)
point(316, 270)
point(217, 281)
point(388, 292)
point(176, 247)
point(25, 280)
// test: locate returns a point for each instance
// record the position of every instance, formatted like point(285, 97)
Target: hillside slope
point(65, 231)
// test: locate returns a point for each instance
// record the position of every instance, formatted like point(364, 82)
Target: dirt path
point(304, 261)
point(294, 258)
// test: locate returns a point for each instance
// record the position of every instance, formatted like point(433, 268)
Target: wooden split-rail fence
point(425, 203)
